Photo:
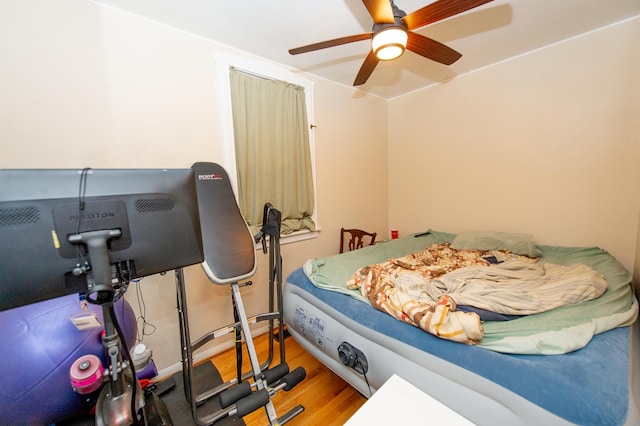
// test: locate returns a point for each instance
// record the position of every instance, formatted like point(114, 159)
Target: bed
point(575, 364)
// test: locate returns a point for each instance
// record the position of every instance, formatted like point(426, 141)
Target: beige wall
point(636, 265)
point(86, 85)
point(547, 143)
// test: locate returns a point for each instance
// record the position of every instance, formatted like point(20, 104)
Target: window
point(268, 143)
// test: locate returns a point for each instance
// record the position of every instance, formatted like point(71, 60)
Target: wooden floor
point(327, 399)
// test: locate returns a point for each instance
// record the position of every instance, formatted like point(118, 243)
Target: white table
point(399, 402)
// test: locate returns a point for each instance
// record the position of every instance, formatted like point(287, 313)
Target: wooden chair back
point(356, 238)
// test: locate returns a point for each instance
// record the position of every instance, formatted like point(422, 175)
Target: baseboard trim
point(208, 353)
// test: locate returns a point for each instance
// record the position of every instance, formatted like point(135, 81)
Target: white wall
point(547, 143)
point(82, 84)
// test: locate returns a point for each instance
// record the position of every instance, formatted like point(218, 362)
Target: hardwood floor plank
point(327, 398)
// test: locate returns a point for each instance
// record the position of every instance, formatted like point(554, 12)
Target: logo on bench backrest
point(213, 176)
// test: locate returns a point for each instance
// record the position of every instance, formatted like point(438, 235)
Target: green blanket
point(557, 331)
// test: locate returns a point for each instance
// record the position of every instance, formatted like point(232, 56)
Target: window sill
point(293, 237)
point(299, 236)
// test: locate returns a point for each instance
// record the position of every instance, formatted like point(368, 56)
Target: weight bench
point(229, 258)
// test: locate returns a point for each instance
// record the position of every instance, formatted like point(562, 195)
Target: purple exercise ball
point(39, 345)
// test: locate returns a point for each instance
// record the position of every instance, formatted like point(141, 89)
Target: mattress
point(595, 385)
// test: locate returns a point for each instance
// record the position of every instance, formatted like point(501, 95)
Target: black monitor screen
point(48, 218)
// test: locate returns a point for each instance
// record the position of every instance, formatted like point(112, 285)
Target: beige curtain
point(273, 156)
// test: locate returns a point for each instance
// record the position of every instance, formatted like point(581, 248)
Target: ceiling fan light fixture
point(389, 43)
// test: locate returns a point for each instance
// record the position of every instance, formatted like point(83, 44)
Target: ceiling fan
point(392, 33)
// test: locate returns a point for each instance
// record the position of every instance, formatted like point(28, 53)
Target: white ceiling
point(488, 34)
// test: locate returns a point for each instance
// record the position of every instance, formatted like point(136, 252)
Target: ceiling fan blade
point(438, 11)
point(380, 11)
point(432, 49)
point(330, 43)
point(366, 69)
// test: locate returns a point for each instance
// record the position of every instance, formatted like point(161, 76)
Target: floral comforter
point(425, 287)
